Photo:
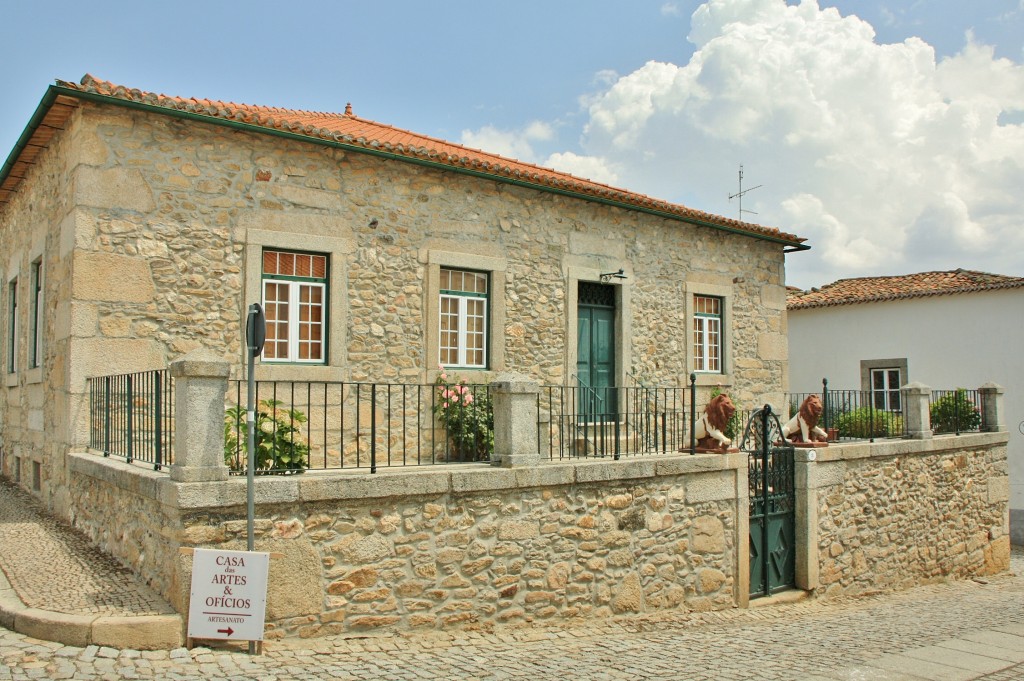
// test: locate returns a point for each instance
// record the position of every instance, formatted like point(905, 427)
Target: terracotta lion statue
point(803, 427)
point(710, 426)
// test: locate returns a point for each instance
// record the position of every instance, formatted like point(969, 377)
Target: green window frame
point(295, 302)
point(464, 317)
point(12, 326)
point(36, 341)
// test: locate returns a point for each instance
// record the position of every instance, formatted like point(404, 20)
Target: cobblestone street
point(962, 630)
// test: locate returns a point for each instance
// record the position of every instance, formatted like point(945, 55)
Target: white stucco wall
point(953, 341)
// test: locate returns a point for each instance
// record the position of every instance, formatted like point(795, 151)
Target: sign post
point(229, 595)
point(255, 337)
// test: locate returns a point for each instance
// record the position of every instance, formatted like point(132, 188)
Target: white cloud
point(886, 160)
point(589, 167)
point(671, 9)
point(516, 144)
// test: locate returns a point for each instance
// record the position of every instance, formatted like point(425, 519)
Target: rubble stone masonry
point(479, 546)
point(443, 546)
point(896, 514)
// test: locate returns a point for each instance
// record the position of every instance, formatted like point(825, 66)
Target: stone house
point(137, 227)
point(884, 332)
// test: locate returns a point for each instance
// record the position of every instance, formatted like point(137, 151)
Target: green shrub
point(468, 419)
point(952, 407)
point(867, 422)
point(281, 447)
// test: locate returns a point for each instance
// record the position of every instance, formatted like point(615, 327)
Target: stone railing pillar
point(992, 408)
point(514, 398)
point(200, 383)
point(918, 419)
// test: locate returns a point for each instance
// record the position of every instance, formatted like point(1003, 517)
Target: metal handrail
point(588, 388)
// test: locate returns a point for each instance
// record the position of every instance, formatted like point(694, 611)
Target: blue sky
point(885, 167)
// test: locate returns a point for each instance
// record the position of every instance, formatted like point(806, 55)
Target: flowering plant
point(280, 445)
point(467, 417)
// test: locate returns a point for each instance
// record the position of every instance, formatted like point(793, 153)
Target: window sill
point(476, 376)
point(299, 373)
point(11, 380)
point(34, 375)
point(712, 380)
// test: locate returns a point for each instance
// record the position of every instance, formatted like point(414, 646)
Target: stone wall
point(479, 546)
point(897, 514)
point(130, 513)
point(438, 547)
point(39, 224)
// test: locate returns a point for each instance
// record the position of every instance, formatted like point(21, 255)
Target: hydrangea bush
point(281, 447)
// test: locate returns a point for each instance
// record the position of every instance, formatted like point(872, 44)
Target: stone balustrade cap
point(916, 387)
point(512, 382)
point(993, 387)
point(201, 363)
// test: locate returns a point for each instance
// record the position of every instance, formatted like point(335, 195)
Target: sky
point(888, 133)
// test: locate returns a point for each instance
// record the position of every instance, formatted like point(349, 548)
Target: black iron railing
point(853, 415)
point(580, 421)
point(955, 411)
point(342, 425)
point(867, 415)
point(131, 416)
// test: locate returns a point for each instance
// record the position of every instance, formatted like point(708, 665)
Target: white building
point(957, 329)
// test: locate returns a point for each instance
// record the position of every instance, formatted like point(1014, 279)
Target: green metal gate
point(770, 475)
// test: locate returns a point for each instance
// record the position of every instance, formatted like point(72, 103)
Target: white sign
point(229, 595)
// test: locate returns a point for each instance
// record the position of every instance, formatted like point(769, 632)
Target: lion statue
point(803, 427)
point(710, 426)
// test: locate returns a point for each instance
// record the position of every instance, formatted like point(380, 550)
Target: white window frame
point(888, 390)
point(703, 332)
point(462, 300)
point(295, 286)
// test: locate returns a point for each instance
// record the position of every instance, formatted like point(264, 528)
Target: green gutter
point(54, 90)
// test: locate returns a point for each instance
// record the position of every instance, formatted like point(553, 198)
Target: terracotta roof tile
point(923, 284)
point(351, 130)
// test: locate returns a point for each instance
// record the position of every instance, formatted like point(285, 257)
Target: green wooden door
point(595, 363)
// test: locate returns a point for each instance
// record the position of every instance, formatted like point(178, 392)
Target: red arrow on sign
point(227, 631)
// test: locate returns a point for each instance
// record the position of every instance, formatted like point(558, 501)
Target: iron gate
point(770, 475)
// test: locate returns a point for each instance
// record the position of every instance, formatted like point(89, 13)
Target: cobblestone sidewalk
point(53, 567)
point(957, 631)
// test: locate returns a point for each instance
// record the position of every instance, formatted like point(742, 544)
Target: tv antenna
point(741, 192)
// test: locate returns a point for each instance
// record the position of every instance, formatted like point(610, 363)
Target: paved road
point(963, 630)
